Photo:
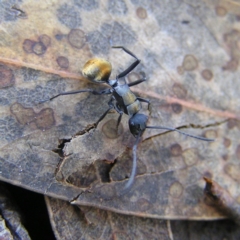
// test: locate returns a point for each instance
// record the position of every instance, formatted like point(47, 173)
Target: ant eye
point(132, 123)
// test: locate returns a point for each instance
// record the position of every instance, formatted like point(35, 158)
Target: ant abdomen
point(97, 70)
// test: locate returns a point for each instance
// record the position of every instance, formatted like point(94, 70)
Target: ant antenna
point(134, 166)
point(186, 134)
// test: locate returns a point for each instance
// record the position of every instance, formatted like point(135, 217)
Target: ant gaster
point(123, 100)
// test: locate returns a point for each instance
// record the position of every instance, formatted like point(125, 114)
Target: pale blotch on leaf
point(221, 11)
point(232, 170)
point(190, 63)
point(190, 156)
point(210, 134)
point(176, 189)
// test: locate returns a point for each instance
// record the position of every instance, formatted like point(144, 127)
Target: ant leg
point(137, 82)
point(105, 91)
point(118, 109)
point(126, 50)
point(132, 66)
point(110, 107)
point(119, 120)
point(146, 101)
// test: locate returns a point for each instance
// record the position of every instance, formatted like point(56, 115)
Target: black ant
point(123, 100)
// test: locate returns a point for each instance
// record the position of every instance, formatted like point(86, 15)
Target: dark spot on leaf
point(63, 62)
point(231, 65)
point(176, 107)
point(77, 38)
point(227, 142)
point(23, 115)
point(141, 12)
point(232, 123)
point(28, 45)
point(45, 119)
point(179, 90)
point(110, 129)
point(232, 42)
point(7, 78)
point(190, 63)
point(176, 150)
point(117, 7)
point(69, 16)
point(220, 11)
point(45, 40)
point(207, 74)
point(39, 48)
point(86, 4)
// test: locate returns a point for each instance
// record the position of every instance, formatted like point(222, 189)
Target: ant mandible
point(123, 100)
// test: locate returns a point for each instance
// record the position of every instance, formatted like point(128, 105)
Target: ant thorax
point(112, 82)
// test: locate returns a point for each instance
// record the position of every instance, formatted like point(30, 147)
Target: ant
point(123, 100)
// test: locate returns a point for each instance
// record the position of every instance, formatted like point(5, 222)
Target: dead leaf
point(10, 220)
point(190, 54)
point(81, 222)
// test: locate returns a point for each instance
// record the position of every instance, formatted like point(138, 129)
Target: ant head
point(97, 70)
point(137, 124)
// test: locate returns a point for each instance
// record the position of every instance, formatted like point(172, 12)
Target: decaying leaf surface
point(71, 222)
point(11, 226)
point(189, 52)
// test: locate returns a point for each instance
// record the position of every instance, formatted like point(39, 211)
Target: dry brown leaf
point(91, 223)
point(190, 54)
point(11, 221)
